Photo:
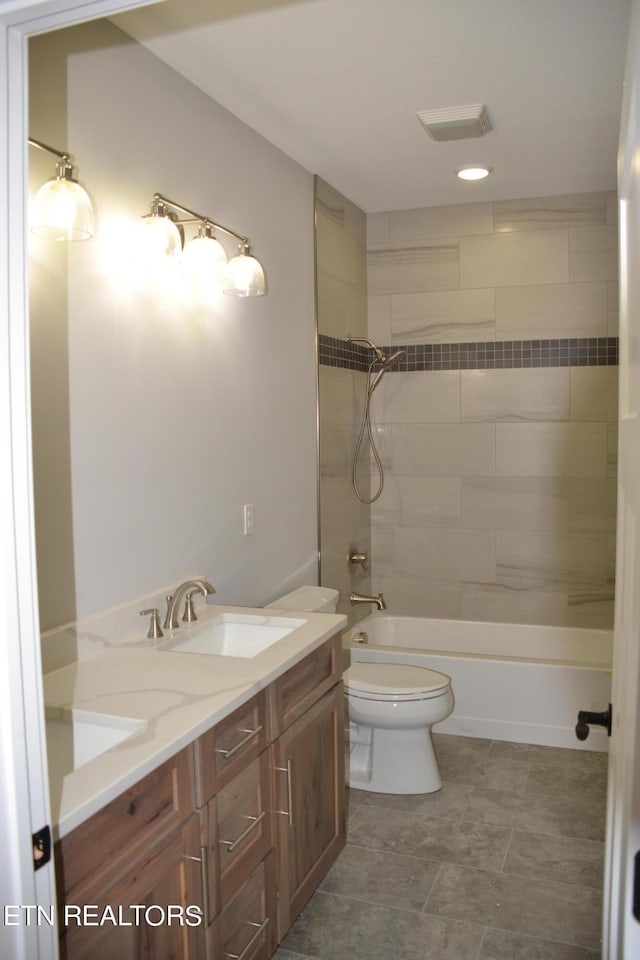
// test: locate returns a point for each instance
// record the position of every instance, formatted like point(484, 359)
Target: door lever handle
point(587, 718)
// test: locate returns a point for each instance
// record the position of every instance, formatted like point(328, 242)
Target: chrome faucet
point(363, 598)
point(173, 602)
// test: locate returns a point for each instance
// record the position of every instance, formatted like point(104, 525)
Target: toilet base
point(392, 761)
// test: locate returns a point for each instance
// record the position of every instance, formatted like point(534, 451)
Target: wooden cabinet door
point(309, 802)
point(169, 877)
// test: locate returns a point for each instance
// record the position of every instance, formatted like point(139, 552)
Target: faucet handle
point(189, 614)
point(155, 631)
point(358, 556)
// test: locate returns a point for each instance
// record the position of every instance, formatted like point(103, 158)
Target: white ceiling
point(336, 84)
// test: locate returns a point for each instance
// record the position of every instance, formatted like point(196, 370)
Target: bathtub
point(510, 681)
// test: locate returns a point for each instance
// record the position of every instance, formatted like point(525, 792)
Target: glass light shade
point(205, 258)
point(62, 210)
point(158, 237)
point(245, 276)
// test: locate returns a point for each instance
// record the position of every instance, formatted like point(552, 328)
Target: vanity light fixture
point(243, 276)
point(473, 171)
point(61, 209)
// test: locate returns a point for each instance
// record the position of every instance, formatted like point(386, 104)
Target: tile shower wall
point(499, 435)
point(341, 272)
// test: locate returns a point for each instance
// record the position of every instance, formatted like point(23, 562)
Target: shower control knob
point(587, 718)
point(357, 557)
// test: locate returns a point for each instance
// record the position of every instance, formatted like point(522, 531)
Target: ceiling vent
point(456, 123)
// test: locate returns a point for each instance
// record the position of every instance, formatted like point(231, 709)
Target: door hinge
point(41, 847)
point(636, 886)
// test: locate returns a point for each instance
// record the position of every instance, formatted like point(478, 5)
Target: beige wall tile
point(517, 394)
point(593, 253)
point(611, 557)
point(419, 502)
point(332, 309)
point(593, 504)
point(594, 393)
point(511, 259)
point(414, 597)
point(537, 213)
point(551, 449)
point(430, 266)
point(595, 616)
point(335, 451)
point(456, 449)
point(544, 561)
point(382, 552)
point(463, 219)
point(612, 309)
point(495, 603)
point(548, 272)
point(612, 449)
point(516, 503)
point(551, 311)
point(444, 554)
point(377, 228)
point(424, 396)
point(341, 392)
point(379, 326)
point(448, 316)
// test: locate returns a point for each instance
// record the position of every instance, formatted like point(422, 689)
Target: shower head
point(394, 356)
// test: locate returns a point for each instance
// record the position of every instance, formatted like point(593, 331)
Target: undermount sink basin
point(236, 635)
point(74, 737)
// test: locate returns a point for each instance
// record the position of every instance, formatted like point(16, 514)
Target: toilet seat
point(394, 681)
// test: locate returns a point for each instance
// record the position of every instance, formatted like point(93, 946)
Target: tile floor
point(504, 863)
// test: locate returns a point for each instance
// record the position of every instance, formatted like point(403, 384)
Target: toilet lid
point(394, 681)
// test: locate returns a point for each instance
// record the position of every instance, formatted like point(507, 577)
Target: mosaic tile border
point(489, 355)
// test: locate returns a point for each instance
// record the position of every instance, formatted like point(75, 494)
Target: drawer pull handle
point(203, 860)
point(232, 844)
point(250, 734)
point(289, 772)
point(261, 929)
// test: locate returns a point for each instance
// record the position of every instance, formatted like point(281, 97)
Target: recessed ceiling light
point(473, 171)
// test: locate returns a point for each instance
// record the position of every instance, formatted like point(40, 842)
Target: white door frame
point(24, 790)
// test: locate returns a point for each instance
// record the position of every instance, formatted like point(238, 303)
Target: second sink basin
point(236, 635)
point(74, 737)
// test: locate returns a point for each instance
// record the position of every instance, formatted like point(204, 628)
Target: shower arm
point(374, 346)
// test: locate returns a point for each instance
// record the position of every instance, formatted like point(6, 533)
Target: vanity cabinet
point(243, 824)
point(141, 850)
point(309, 802)
point(307, 721)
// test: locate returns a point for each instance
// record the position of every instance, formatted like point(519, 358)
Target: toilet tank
point(311, 599)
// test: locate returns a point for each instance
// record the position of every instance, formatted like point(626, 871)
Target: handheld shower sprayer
point(385, 362)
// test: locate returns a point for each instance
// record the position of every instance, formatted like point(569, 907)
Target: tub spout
point(363, 598)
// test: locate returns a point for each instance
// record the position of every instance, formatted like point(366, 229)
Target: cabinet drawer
point(297, 689)
point(103, 847)
point(245, 930)
point(229, 746)
point(239, 830)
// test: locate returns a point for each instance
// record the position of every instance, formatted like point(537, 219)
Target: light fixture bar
point(198, 218)
point(63, 155)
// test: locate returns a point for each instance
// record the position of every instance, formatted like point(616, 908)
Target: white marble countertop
point(176, 695)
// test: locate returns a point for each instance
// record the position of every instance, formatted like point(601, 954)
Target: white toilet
point(392, 707)
point(311, 599)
